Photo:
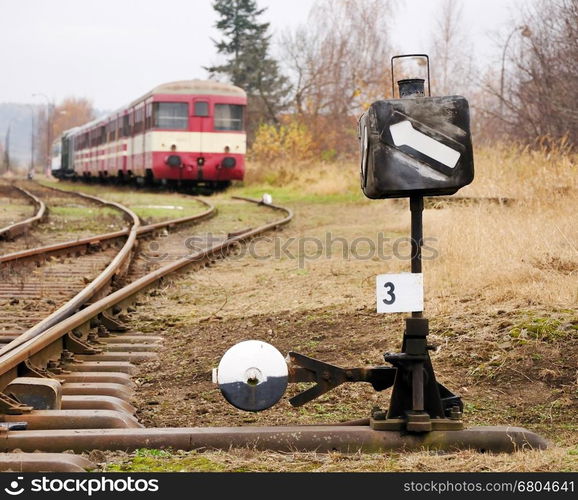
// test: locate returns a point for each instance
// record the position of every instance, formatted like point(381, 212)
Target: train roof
point(200, 87)
point(206, 87)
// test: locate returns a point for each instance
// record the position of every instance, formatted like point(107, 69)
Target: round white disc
point(252, 375)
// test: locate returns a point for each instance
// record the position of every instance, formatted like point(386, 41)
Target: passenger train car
point(186, 132)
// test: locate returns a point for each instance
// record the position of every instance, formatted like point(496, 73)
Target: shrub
point(290, 141)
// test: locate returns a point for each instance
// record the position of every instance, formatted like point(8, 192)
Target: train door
point(138, 140)
point(148, 146)
point(130, 142)
point(201, 120)
point(201, 126)
point(125, 134)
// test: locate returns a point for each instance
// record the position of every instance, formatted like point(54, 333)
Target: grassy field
point(150, 206)
point(501, 293)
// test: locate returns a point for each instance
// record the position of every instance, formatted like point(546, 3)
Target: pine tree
point(246, 44)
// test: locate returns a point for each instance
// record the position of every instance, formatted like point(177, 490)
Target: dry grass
point(501, 296)
point(242, 460)
point(305, 178)
point(505, 170)
point(524, 254)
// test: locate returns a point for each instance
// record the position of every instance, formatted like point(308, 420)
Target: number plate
point(399, 292)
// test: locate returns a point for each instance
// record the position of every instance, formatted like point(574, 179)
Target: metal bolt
point(455, 413)
point(53, 367)
point(66, 356)
point(103, 331)
point(378, 414)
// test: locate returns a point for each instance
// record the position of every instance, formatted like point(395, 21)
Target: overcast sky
point(112, 51)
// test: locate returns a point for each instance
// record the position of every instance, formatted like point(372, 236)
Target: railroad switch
point(411, 147)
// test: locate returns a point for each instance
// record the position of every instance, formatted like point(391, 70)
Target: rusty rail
point(92, 289)
point(318, 438)
point(18, 228)
point(69, 246)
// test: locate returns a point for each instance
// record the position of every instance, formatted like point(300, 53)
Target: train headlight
point(174, 161)
point(228, 162)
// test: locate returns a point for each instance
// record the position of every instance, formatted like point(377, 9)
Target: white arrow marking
point(403, 133)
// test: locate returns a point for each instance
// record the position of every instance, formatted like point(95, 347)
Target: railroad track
point(21, 227)
point(35, 299)
point(65, 216)
point(69, 374)
point(36, 282)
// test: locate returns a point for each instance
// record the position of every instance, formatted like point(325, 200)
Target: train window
point(228, 117)
point(101, 135)
point(125, 126)
point(149, 116)
point(138, 120)
point(201, 108)
point(171, 115)
point(111, 131)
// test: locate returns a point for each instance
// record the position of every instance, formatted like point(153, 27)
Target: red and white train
point(186, 132)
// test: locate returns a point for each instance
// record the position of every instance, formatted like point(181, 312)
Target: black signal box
point(418, 146)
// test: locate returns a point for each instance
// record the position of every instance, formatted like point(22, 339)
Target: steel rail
point(99, 238)
point(113, 269)
point(13, 230)
point(35, 340)
point(317, 438)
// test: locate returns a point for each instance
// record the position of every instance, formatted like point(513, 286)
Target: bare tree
point(538, 87)
point(451, 52)
point(71, 112)
point(545, 85)
point(339, 65)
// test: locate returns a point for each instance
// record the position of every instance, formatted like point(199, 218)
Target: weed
point(542, 329)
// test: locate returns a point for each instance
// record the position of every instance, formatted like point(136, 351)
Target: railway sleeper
point(97, 389)
point(39, 393)
point(44, 462)
point(132, 347)
point(74, 419)
point(92, 402)
point(98, 377)
point(133, 357)
point(101, 366)
point(131, 339)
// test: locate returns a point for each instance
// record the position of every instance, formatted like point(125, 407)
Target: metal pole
point(416, 208)
point(49, 106)
point(32, 144)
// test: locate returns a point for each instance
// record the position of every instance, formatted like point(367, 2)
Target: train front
point(199, 133)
